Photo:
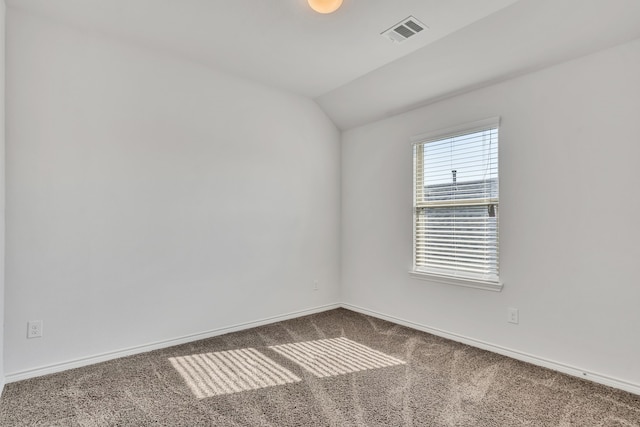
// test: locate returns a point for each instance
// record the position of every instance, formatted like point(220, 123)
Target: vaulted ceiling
point(342, 61)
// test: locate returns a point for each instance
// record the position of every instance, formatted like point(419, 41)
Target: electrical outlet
point(513, 316)
point(315, 285)
point(34, 329)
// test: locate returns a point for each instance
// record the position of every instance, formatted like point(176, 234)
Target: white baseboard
point(514, 354)
point(90, 360)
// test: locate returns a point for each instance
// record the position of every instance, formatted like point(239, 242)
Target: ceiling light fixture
point(325, 6)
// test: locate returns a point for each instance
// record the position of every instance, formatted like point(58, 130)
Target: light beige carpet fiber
point(336, 368)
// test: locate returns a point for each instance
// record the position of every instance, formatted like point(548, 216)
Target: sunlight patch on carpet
point(233, 371)
point(336, 356)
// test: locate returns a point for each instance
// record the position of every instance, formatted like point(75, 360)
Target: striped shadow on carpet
point(233, 371)
point(337, 356)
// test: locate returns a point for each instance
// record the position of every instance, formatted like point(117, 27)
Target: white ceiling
point(278, 42)
point(341, 60)
point(529, 35)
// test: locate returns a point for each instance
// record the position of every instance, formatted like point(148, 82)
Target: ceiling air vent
point(404, 29)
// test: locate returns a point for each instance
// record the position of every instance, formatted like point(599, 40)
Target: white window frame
point(419, 141)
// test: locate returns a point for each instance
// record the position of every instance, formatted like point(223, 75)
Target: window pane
point(456, 198)
point(461, 167)
point(461, 238)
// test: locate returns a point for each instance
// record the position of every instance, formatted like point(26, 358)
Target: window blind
point(456, 202)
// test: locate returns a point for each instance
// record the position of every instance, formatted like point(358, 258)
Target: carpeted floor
point(336, 368)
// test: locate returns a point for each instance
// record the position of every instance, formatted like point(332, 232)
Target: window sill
point(457, 281)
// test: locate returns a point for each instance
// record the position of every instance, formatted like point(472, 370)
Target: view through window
point(456, 203)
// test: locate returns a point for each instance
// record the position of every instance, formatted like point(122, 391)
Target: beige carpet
point(337, 368)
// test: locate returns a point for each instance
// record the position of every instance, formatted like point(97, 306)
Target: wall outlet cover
point(34, 329)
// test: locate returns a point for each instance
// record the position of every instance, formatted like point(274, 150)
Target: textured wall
point(568, 216)
point(2, 189)
point(151, 198)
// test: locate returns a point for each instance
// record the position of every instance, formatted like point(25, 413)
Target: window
point(456, 205)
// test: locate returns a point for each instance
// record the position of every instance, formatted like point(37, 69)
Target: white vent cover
point(404, 29)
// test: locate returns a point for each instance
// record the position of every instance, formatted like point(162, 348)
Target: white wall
point(568, 216)
point(2, 190)
point(150, 198)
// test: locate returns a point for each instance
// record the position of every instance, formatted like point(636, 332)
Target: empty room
point(320, 213)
